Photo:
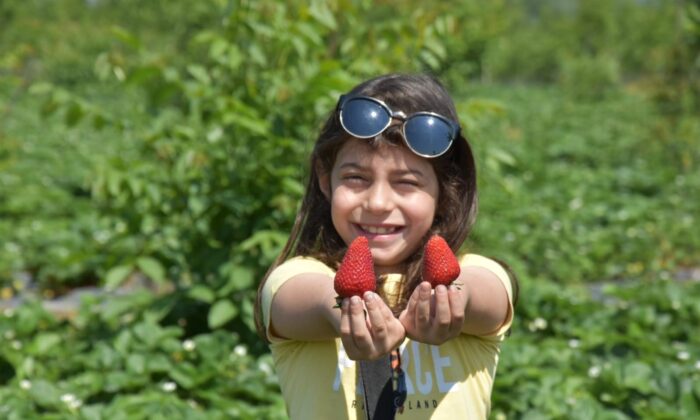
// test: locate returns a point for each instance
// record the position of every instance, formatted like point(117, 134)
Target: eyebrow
point(357, 166)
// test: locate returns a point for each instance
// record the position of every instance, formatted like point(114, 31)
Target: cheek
point(422, 210)
point(341, 200)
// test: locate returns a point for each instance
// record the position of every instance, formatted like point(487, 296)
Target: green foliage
point(578, 191)
point(628, 354)
point(168, 141)
point(118, 360)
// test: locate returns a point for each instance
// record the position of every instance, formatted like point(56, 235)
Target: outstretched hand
point(370, 336)
point(434, 318)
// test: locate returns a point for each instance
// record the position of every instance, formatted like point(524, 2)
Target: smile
point(379, 230)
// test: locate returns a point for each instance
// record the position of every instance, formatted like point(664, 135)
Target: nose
point(379, 198)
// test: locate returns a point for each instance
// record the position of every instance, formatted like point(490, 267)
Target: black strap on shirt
point(384, 386)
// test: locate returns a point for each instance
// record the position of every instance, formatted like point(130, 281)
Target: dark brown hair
point(313, 233)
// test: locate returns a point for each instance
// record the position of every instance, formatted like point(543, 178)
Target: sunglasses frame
point(399, 115)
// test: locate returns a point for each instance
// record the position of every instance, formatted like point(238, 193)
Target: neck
point(390, 269)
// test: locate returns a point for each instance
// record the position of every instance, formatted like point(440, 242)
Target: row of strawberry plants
point(628, 353)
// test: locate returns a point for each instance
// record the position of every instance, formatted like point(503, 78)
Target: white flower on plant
point(576, 203)
point(574, 343)
point(101, 236)
point(189, 345)
point(67, 398)
point(240, 350)
point(169, 386)
point(25, 384)
point(8, 312)
point(9, 334)
point(594, 371)
point(538, 324)
point(501, 416)
point(676, 304)
point(17, 345)
point(697, 365)
point(265, 368)
point(71, 401)
point(683, 355)
point(571, 400)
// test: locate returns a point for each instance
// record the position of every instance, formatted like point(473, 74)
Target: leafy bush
point(171, 147)
point(118, 360)
point(628, 354)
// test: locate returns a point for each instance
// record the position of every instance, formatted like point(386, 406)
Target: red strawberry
point(355, 275)
point(440, 266)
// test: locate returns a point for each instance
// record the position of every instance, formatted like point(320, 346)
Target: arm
point(487, 305)
point(477, 304)
point(302, 309)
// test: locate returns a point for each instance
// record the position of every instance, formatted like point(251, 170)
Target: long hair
point(313, 233)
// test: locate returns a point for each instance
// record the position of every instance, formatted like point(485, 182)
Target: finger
point(345, 318)
point(376, 317)
point(413, 301)
point(458, 304)
point(423, 306)
point(346, 331)
point(358, 326)
point(443, 314)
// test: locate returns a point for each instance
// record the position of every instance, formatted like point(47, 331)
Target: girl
point(389, 164)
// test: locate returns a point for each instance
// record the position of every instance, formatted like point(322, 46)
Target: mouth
point(373, 231)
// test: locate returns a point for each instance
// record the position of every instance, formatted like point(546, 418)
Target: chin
point(386, 261)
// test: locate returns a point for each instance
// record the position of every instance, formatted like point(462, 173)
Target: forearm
point(487, 305)
point(303, 309)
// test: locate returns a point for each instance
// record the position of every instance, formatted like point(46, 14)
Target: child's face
point(387, 194)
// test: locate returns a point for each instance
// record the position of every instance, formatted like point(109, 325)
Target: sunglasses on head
point(427, 134)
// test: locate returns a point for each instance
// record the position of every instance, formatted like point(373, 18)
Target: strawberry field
point(151, 164)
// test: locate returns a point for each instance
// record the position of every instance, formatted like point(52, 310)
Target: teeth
point(379, 230)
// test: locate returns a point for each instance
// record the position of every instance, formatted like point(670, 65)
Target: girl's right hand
point(371, 335)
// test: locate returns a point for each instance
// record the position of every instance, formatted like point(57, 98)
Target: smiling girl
point(390, 164)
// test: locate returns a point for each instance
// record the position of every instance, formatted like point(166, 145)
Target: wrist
point(330, 310)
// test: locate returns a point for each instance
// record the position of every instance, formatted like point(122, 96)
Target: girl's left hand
point(370, 335)
point(434, 318)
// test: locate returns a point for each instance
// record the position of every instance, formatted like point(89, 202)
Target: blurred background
point(152, 158)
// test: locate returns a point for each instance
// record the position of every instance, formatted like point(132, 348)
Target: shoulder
point(294, 267)
point(299, 265)
point(493, 266)
point(476, 260)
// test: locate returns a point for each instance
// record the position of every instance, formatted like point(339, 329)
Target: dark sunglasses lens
point(364, 118)
point(428, 135)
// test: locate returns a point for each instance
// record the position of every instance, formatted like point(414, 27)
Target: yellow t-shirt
point(450, 381)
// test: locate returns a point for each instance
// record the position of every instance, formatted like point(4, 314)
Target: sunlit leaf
point(116, 275)
point(221, 312)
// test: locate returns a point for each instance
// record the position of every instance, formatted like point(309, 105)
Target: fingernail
point(355, 299)
point(346, 303)
point(441, 289)
point(369, 296)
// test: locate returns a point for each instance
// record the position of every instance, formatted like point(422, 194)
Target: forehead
point(381, 156)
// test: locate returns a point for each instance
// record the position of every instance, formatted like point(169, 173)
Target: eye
point(353, 179)
point(408, 182)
